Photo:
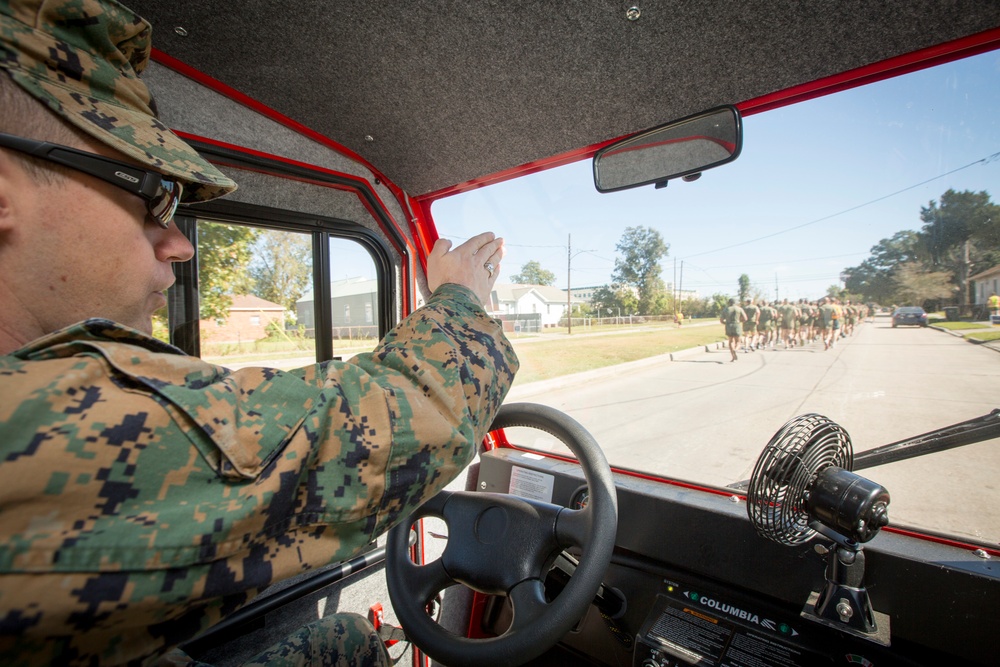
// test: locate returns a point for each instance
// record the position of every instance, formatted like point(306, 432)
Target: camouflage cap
point(82, 59)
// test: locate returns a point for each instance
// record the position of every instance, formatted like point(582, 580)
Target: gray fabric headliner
point(451, 91)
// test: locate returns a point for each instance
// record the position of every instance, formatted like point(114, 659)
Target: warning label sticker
point(531, 484)
point(693, 634)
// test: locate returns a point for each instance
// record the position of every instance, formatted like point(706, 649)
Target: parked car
point(909, 315)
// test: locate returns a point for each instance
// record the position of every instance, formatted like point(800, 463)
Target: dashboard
point(692, 583)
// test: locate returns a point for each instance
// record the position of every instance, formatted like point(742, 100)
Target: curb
point(542, 386)
point(992, 345)
point(680, 354)
point(947, 331)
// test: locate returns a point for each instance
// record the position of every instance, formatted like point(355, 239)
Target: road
point(705, 419)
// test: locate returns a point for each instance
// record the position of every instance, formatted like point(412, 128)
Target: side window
point(251, 281)
point(353, 298)
point(252, 296)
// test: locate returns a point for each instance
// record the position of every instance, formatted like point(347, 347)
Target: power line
point(789, 261)
point(985, 160)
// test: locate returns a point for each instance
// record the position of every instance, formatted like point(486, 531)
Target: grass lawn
point(985, 335)
point(282, 348)
point(544, 359)
point(955, 326)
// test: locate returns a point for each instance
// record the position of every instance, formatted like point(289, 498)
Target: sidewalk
point(581, 332)
point(962, 333)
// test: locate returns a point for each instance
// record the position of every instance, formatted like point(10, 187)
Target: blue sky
point(845, 170)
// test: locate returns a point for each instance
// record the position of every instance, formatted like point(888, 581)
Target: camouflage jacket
point(145, 494)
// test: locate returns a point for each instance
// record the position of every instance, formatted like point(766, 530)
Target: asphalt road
point(705, 419)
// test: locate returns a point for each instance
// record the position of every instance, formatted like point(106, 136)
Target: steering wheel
point(502, 545)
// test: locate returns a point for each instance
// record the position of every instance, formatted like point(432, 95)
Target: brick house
point(248, 318)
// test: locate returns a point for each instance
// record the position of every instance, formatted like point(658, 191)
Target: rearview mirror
point(682, 148)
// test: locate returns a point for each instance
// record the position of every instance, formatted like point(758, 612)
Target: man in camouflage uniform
point(145, 494)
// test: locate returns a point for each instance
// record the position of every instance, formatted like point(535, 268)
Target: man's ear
point(11, 174)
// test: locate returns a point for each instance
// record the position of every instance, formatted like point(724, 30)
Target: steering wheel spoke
point(528, 601)
point(434, 506)
point(572, 528)
point(426, 581)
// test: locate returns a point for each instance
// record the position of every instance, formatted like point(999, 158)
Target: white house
point(985, 284)
point(538, 302)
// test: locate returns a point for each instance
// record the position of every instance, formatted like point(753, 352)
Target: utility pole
point(674, 289)
point(776, 298)
point(569, 290)
point(681, 287)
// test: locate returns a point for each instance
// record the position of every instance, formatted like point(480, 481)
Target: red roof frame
point(886, 69)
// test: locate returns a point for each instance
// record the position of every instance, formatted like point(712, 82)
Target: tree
point(916, 285)
point(873, 278)
point(695, 308)
point(224, 251)
point(641, 250)
point(281, 267)
point(954, 228)
point(614, 300)
point(744, 286)
point(532, 273)
point(717, 304)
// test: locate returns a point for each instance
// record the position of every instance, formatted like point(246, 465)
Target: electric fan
point(802, 485)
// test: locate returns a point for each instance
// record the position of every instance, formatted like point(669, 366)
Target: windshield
point(881, 196)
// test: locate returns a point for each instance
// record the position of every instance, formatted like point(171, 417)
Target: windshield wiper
point(968, 432)
point(957, 435)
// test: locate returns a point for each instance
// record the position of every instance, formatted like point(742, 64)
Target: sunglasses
point(161, 194)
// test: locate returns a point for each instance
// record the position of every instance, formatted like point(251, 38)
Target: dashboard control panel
point(690, 624)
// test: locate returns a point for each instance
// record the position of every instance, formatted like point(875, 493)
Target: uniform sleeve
point(353, 446)
point(156, 493)
point(444, 373)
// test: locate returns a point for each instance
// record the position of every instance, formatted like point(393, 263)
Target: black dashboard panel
point(701, 587)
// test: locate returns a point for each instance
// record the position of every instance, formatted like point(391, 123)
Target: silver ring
point(489, 267)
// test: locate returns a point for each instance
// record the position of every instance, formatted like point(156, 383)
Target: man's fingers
point(441, 248)
point(479, 242)
point(493, 251)
point(474, 264)
point(500, 251)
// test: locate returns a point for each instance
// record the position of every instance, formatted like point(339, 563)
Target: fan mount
point(802, 485)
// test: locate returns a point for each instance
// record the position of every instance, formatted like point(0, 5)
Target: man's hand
point(474, 264)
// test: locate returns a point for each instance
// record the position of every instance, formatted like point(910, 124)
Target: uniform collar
point(62, 343)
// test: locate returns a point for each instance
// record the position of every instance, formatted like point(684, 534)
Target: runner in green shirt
point(750, 326)
point(765, 325)
point(788, 313)
point(733, 317)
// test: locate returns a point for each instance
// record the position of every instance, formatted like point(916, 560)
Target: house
point(586, 294)
point(536, 306)
point(354, 308)
point(985, 284)
point(247, 320)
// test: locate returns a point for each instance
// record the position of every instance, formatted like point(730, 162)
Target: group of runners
point(759, 325)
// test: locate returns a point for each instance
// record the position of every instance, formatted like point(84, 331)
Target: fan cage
point(787, 468)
